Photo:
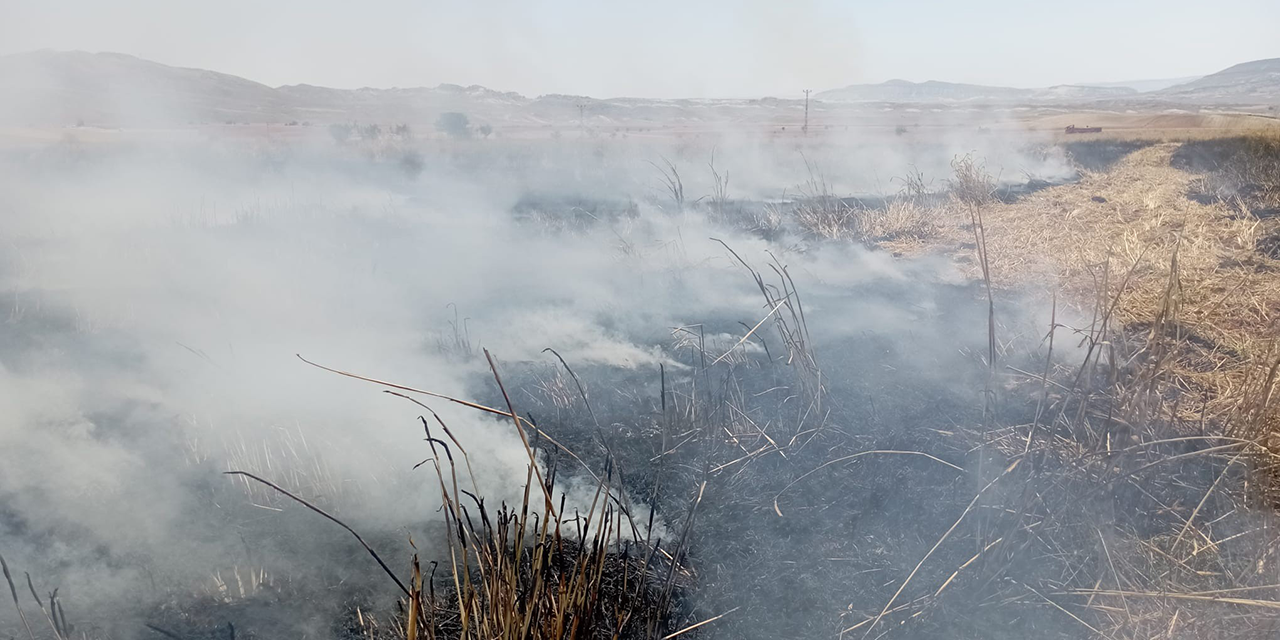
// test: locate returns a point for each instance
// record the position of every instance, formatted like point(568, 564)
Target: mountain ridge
point(50, 87)
point(898, 90)
point(1256, 80)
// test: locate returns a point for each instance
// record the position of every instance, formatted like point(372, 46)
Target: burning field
point(1001, 386)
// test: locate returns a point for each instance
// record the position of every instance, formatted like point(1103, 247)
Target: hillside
point(111, 89)
point(52, 88)
point(47, 87)
point(1145, 86)
point(933, 91)
point(1248, 82)
point(906, 91)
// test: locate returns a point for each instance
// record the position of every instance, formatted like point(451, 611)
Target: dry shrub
point(1155, 460)
point(900, 219)
point(1082, 509)
point(1100, 154)
point(1268, 244)
point(970, 184)
point(1118, 229)
point(1108, 496)
point(1242, 171)
point(528, 570)
point(1168, 493)
point(827, 218)
point(768, 220)
point(821, 213)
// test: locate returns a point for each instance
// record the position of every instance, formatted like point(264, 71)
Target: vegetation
point(1114, 494)
point(454, 124)
point(1126, 489)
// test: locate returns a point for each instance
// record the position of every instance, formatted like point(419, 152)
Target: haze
point(660, 48)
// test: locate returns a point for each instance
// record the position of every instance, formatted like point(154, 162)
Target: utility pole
point(582, 110)
point(805, 128)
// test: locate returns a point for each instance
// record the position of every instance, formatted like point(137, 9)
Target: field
point(905, 377)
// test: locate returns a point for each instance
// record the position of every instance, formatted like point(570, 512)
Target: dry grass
point(1112, 494)
point(900, 220)
point(1116, 496)
point(1134, 229)
point(1243, 173)
point(1176, 305)
point(911, 216)
point(528, 570)
point(1118, 499)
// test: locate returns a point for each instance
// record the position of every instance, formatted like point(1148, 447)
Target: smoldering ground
point(155, 298)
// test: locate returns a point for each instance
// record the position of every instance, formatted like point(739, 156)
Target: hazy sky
point(660, 48)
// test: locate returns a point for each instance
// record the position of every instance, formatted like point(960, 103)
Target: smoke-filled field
point(369, 384)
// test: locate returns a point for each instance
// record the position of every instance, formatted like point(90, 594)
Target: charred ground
point(1076, 440)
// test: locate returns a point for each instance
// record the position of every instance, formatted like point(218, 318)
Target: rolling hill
point(933, 91)
point(1248, 82)
point(111, 89)
point(54, 88)
point(65, 87)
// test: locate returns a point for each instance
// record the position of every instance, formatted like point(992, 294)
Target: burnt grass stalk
point(758, 490)
point(754, 495)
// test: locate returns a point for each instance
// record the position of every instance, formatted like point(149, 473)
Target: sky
point(660, 48)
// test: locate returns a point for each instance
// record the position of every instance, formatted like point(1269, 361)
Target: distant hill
point(1248, 82)
point(1144, 86)
point(53, 88)
point(61, 88)
point(933, 91)
point(1081, 92)
point(906, 91)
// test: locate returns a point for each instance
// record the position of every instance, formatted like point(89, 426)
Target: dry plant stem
point(691, 627)
point(753, 330)
point(1107, 484)
point(966, 566)
point(493, 598)
point(451, 512)
point(1044, 378)
point(684, 537)
point(1248, 602)
point(332, 519)
point(623, 501)
point(40, 603)
point(465, 457)
point(14, 592)
point(1061, 608)
point(164, 632)
point(937, 544)
point(672, 181)
point(515, 418)
point(404, 388)
point(465, 403)
point(794, 333)
point(411, 626)
point(581, 390)
point(1115, 575)
point(1191, 518)
point(851, 457)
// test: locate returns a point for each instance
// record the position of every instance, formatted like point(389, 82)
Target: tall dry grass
point(910, 215)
